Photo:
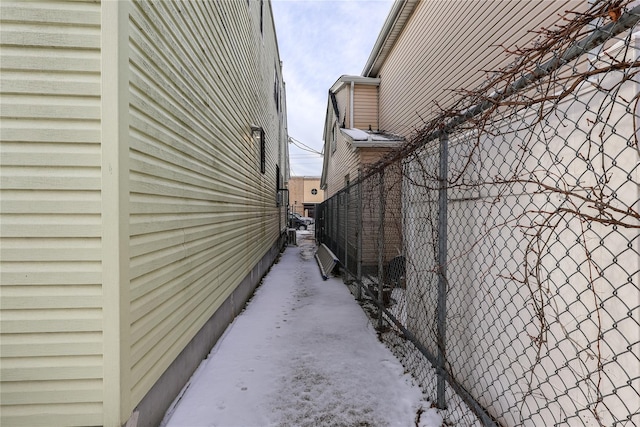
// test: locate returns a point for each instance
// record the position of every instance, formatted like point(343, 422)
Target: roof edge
point(361, 80)
point(399, 14)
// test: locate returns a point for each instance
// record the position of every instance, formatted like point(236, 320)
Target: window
point(276, 89)
point(263, 153)
point(258, 136)
point(333, 139)
point(261, 18)
point(314, 191)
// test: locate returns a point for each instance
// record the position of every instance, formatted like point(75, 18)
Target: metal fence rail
point(499, 251)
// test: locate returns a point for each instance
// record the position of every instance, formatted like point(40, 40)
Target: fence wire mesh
point(498, 251)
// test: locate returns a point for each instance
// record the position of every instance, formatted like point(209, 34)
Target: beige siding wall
point(392, 191)
point(456, 47)
point(202, 213)
point(197, 212)
point(365, 107)
point(50, 249)
point(342, 162)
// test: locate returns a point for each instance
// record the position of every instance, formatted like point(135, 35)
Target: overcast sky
point(320, 40)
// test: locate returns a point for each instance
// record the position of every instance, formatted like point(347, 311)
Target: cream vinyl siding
point(456, 42)
point(50, 215)
point(184, 214)
point(370, 218)
point(365, 107)
point(343, 161)
point(202, 214)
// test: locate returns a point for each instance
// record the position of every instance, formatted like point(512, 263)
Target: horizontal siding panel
point(51, 344)
point(50, 372)
point(51, 302)
point(145, 243)
point(50, 107)
point(51, 397)
point(221, 195)
point(48, 226)
point(74, 62)
point(50, 202)
point(67, 133)
point(225, 167)
point(185, 177)
point(179, 320)
point(146, 330)
point(61, 37)
point(72, 85)
point(51, 13)
point(78, 414)
point(83, 181)
point(50, 326)
point(18, 275)
point(222, 269)
point(203, 259)
point(49, 156)
point(142, 224)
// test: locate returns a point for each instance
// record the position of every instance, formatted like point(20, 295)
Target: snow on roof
point(362, 138)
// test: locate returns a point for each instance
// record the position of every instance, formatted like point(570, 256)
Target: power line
point(303, 146)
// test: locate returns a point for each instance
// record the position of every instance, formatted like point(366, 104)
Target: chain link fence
point(498, 251)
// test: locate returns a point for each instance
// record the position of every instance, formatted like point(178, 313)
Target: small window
point(314, 191)
point(263, 153)
point(278, 192)
point(261, 17)
point(257, 133)
point(333, 139)
point(276, 89)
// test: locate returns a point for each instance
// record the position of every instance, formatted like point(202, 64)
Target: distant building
point(304, 194)
point(144, 149)
point(352, 135)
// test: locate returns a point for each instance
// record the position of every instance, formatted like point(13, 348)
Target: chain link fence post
point(347, 195)
point(359, 239)
point(381, 251)
point(442, 267)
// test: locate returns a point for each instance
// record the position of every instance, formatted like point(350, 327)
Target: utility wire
point(303, 146)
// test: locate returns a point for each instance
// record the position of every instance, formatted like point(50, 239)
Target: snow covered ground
point(303, 353)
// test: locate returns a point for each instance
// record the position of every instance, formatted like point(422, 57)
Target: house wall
point(391, 194)
point(456, 52)
point(300, 192)
point(202, 212)
point(122, 243)
point(296, 194)
point(343, 161)
point(365, 107)
point(309, 185)
point(50, 224)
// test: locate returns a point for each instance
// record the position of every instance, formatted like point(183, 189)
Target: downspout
point(351, 121)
